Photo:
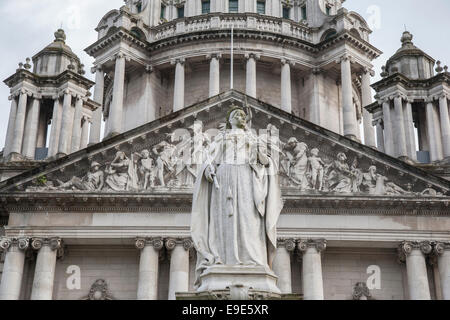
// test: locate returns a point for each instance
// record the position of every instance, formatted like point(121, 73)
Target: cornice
point(398, 78)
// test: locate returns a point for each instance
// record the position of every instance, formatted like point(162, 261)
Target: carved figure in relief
point(121, 174)
point(357, 176)
point(94, 180)
point(164, 161)
point(146, 169)
point(369, 180)
point(298, 162)
point(340, 176)
point(317, 169)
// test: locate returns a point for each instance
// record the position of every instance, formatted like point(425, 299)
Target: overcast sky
point(27, 26)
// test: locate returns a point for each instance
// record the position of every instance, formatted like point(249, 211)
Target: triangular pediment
point(147, 160)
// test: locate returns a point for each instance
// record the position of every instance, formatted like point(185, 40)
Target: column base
point(220, 277)
point(14, 156)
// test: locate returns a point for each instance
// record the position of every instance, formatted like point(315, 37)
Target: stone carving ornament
point(99, 291)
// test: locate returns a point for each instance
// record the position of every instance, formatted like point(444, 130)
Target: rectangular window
point(206, 6)
point(180, 12)
point(261, 7)
point(304, 15)
point(286, 12)
point(163, 11)
point(328, 10)
point(233, 6)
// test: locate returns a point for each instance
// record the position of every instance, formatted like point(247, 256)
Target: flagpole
point(232, 59)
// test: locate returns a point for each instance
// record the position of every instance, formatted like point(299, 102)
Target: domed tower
point(311, 58)
point(50, 98)
point(412, 100)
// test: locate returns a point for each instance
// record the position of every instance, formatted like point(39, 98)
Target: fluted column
point(399, 128)
point(66, 125)
point(94, 136)
point(214, 74)
point(431, 130)
point(76, 129)
point(445, 124)
point(380, 135)
point(286, 94)
point(349, 112)
point(388, 135)
point(178, 89)
point(56, 127)
point(31, 129)
point(11, 123)
point(442, 249)
point(44, 274)
point(148, 267)
point(282, 264)
point(409, 130)
point(366, 93)
point(19, 126)
point(312, 268)
point(414, 253)
point(250, 80)
point(84, 132)
point(179, 265)
point(116, 108)
point(13, 268)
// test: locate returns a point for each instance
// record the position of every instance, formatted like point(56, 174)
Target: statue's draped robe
point(236, 224)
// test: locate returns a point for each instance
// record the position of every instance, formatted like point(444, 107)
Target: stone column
point(178, 89)
point(66, 125)
point(76, 129)
point(380, 135)
point(442, 250)
point(19, 126)
point(349, 112)
point(445, 124)
point(282, 265)
point(214, 74)
point(150, 102)
point(116, 108)
point(366, 93)
point(84, 132)
point(399, 128)
point(94, 136)
point(148, 267)
point(286, 95)
point(388, 135)
point(431, 130)
point(250, 81)
point(31, 129)
point(409, 130)
point(44, 274)
point(13, 268)
point(179, 265)
point(11, 123)
point(56, 127)
point(312, 268)
point(414, 253)
point(315, 99)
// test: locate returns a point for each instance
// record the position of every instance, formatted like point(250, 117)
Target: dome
point(56, 58)
point(410, 60)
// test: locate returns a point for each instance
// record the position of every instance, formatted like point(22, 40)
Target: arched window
point(329, 34)
point(138, 33)
point(355, 33)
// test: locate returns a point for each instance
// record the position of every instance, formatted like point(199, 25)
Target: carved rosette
point(21, 243)
point(318, 244)
point(157, 243)
point(406, 247)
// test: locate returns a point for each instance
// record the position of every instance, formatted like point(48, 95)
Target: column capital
point(345, 57)
point(441, 247)
point(429, 100)
point(378, 122)
point(181, 61)
point(149, 68)
point(22, 243)
point(316, 71)
point(288, 244)
point(444, 95)
point(288, 62)
point(171, 243)
point(54, 243)
point(406, 247)
point(318, 244)
point(97, 68)
point(210, 56)
point(120, 55)
point(397, 95)
point(253, 55)
point(367, 70)
point(156, 242)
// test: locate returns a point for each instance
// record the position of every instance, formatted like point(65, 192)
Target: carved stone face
point(145, 154)
point(238, 119)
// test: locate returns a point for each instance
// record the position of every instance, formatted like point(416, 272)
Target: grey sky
point(27, 26)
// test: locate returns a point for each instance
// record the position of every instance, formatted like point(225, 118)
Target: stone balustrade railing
point(226, 21)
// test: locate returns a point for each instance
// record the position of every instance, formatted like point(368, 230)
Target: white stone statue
point(236, 201)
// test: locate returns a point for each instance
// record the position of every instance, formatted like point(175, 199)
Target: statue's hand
point(209, 174)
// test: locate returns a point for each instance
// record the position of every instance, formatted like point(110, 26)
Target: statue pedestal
point(218, 278)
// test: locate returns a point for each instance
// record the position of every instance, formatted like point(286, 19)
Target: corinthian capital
point(21, 243)
point(318, 244)
point(157, 243)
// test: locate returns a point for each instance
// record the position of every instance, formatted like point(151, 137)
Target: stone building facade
point(92, 218)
